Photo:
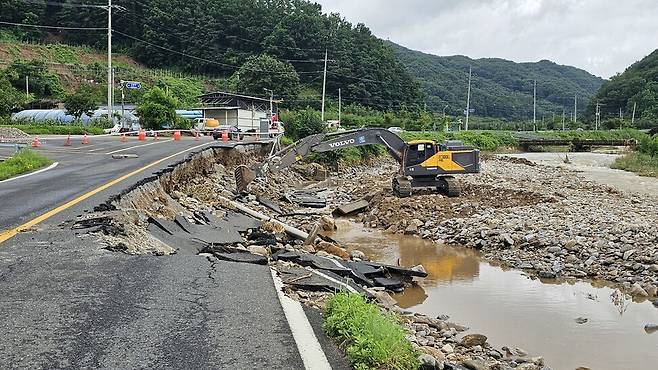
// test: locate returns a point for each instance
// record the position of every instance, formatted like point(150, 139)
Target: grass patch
point(640, 163)
point(374, 340)
point(23, 162)
point(58, 129)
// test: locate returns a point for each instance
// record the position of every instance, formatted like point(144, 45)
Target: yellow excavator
point(423, 163)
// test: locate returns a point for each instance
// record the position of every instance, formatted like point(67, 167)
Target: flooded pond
point(516, 311)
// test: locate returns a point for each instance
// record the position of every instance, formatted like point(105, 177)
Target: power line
point(204, 59)
point(64, 5)
point(55, 27)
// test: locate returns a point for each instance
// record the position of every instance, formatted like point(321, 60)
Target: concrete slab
point(351, 208)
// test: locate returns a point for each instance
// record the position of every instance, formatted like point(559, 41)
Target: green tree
point(80, 102)
point(42, 83)
point(266, 72)
point(10, 98)
point(302, 123)
point(157, 109)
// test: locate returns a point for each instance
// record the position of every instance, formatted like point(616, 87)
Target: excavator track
point(450, 186)
point(401, 187)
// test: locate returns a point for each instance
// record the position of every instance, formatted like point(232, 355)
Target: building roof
point(223, 95)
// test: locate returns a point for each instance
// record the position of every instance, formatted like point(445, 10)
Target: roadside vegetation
point(373, 340)
point(23, 162)
point(644, 161)
point(53, 128)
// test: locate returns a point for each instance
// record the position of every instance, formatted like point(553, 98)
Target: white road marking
point(139, 146)
point(307, 343)
point(31, 173)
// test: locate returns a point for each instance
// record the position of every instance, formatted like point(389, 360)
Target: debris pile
point(13, 135)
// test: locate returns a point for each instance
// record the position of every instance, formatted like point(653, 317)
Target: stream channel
point(515, 310)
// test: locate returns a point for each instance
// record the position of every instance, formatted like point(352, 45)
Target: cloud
point(601, 36)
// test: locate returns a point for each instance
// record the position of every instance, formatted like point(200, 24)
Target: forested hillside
point(637, 86)
point(500, 88)
point(278, 43)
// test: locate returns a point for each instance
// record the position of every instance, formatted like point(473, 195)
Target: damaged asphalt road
point(66, 305)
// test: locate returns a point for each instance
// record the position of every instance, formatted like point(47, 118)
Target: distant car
point(396, 130)
point(233, 132)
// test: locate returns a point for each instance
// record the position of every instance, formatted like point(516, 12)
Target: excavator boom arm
point(321, 143)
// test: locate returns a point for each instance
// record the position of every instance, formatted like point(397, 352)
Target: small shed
point(245, 112)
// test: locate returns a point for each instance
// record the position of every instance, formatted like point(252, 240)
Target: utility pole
point(534, 107)
point(468, 97)
point(598, 116)
point(563, 116)
point(340, 106)
point(634, 107)
point(575, 108)
point(324, 81)
point(271, 104)
point(110, 82)
point(27, 86)
point(621, 114)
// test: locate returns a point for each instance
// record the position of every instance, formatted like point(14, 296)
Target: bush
point(649, 146)
point(374, 340)
point(303, 123)
point(640, 163)
point(23, 162)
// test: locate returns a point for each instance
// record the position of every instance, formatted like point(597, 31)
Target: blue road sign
point(133, 85)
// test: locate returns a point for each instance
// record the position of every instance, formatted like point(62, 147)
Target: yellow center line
point(8, 234)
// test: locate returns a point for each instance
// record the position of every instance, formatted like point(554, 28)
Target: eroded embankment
point(123, 220)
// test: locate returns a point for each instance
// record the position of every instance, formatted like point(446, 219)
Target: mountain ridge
point(501, 88)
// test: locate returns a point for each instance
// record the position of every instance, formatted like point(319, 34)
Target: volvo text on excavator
point(423, 163)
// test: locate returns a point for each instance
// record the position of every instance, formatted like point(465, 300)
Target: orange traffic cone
point(36, 143)
point(85, 140)
point(177, 135)
point(196, 136)
point(124, 138)
point(142, 135)
point(67, 142)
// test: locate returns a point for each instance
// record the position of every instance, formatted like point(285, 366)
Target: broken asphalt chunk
point(243, 257)
point(351, 208)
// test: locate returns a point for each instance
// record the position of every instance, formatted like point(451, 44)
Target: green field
point(23, 162)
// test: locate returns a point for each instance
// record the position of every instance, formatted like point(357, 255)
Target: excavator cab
point(419, 151)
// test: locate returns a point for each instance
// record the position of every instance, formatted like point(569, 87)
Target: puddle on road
point(514, 310)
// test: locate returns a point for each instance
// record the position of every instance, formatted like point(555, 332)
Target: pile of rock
point(11, 134)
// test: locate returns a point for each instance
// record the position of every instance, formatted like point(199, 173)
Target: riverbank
point(546, 220)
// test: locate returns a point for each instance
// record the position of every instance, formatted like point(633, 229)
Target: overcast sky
point(601, 36)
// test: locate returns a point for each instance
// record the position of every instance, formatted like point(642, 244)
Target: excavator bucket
point(243, 177)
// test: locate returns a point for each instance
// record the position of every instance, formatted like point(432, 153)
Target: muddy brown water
point(514, 310)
